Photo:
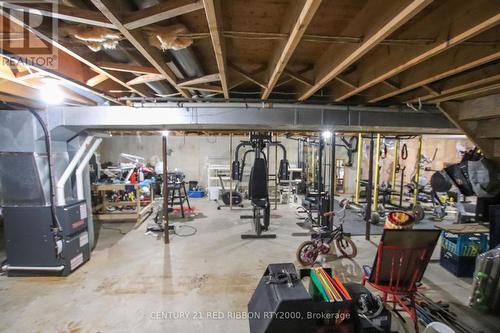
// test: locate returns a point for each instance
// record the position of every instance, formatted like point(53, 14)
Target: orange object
point(399, 220)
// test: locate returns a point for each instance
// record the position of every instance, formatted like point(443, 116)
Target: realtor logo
point(27, 33)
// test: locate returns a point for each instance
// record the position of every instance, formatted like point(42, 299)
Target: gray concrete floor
point(132, 278)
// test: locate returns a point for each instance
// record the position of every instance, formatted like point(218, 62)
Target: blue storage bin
point(196, 194)
point(464, 245)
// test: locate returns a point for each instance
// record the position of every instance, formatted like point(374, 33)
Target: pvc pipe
point(31, 268)
point(81, 167)
point(377, 172)
point(358, 168)
point(69, 169)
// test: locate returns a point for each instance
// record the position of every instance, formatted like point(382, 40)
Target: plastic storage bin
point(458, 265)
point(464, 245)
point(196, 194)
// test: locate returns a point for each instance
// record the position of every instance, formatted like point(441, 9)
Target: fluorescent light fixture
point(326, 134)
point(51, 92)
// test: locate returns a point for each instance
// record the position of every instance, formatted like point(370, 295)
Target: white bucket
point(437, 327)
point(213, 193)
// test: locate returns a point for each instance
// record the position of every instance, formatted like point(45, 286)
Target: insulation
point(167, 37)
point(96, 38)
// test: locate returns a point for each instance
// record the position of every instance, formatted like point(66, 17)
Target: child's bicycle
point(308, 251)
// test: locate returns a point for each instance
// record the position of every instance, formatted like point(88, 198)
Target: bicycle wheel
point(346, 246)
point(307, 253)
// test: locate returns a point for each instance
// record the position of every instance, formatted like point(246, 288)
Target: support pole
point(358, 168)
point(276, 175)
point(368, 212)
point(320, 178)
point(377, 172)
point(333, 175)
point(230, 172)
point(394, 166)
point(165, 189)
point(417, 172)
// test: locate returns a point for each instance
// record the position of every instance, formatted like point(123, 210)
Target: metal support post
point(417, 172)
point(165, 189)
point(377, 172)
point(368, 212)
point(358, 168)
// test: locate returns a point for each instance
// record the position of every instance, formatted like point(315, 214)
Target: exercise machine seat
point(257, 187)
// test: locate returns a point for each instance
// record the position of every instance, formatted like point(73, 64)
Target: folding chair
point(401, 260)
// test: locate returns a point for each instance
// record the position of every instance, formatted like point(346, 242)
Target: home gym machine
point(477, 176)
point(374, 210)
point(258, 181)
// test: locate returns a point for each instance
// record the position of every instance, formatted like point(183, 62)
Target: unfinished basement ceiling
point(386, 52)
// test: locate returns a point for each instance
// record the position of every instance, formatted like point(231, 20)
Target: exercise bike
point(226, 196)
point(308, 251)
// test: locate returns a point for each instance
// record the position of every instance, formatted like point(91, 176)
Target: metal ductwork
point(123, 56)
point(184, 59)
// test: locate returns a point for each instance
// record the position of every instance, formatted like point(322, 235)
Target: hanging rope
point(404, 152)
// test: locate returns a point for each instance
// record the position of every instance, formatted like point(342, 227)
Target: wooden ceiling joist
point(206, 87)
point(127, 68)
point(62, 12)
point(334, 61)
point(213, 13)
point(199, 80)
point(470, 20)
point(495, 87)
point(462, 82)
point(296, 24)
point(68, 52)
point(160, 12)
point(440, 67)
point(94, 81)
point(137, 40)
point(146, 78)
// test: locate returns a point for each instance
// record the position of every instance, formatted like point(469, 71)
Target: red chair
point(401, 260)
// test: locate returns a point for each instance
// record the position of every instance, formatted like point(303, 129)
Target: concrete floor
point(132, 278)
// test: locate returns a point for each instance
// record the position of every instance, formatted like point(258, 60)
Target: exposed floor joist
point(119, 67)
point(460, 83)
point(333, 62)
point(296, 24)
point(137, 40)
point(62, 12)
point(440, 67)
point(161, 12)
point(213, 13)
point(69, 52)
point(471, 20)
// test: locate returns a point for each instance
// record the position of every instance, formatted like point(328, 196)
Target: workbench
point(143, 208)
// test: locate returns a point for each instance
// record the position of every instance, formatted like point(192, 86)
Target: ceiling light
point(51, 92)
point(327, 134)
